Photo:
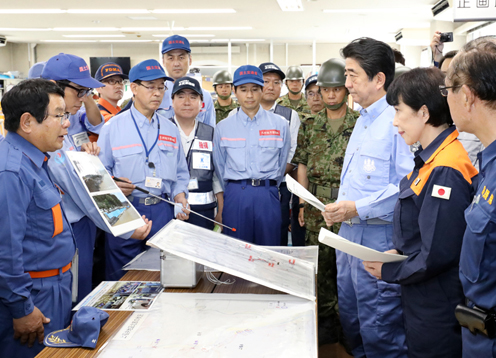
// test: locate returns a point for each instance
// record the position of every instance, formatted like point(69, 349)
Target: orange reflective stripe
point(58, 222)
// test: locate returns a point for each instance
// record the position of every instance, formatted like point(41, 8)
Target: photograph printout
point(116, 211)
point(122, 296)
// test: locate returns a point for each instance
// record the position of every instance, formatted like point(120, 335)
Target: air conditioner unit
point(440, 7)
point(3, 41)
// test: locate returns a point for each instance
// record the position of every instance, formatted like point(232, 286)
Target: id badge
point(201, 161)
point(152, 182)
point(193, 184)
point(80, 138)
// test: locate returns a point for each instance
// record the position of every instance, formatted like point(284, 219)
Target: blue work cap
point(83, 331)
point(36, 70)
point(311, 80)
point(187, 82)
point(175, 42)
point(71, 68)
point(148, 70)
point(109, 69)
point(248, 74)
point(267, 67)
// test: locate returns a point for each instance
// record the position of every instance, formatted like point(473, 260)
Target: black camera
point(446, 37)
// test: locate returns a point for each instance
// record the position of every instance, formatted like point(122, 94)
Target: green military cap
point(331, 73)
point(222, 77)
point(400, 70)
point(294, 73)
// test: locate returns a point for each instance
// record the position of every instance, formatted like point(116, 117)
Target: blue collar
point(245, 119)
point(486, 156)
point(29, 150)
point(426, 153)
point(141, 119)
point(375, 109)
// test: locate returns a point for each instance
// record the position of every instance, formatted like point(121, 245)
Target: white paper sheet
point(297, 189)
point(239, 258)
point(217, 326)
point(362, 252)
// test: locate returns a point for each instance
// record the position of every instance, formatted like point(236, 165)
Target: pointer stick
point(173, 203)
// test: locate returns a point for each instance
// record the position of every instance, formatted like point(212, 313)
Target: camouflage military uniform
point(222, 112)
point(302, 109)
point(322, 151)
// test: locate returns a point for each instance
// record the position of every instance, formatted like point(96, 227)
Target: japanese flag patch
point(442, 192)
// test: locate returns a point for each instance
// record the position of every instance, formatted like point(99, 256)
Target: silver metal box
point(178, 272)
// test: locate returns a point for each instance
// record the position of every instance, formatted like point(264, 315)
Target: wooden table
point(117, 318)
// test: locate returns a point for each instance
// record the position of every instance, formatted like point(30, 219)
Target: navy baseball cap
point(71, 68)
point(187, 82)
point(175, 42)
point(311, 80)
point(148, 70)
point(272, 67)
point(36, 69)
point(109, 69)
point(248, 74)
point(83, 331)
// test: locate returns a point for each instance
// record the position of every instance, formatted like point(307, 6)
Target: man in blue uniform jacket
point(251, 149)
point(36, 242)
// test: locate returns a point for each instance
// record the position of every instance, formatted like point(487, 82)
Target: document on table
point(298, 189)
point(362, 252)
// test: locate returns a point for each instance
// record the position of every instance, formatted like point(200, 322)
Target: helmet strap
point(294, 93)
point(224, 98)
point(337, 106)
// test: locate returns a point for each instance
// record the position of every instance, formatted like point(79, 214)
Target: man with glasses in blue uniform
point(144, 149)
point(36, 242)
point(251, 149)
point(73, 75)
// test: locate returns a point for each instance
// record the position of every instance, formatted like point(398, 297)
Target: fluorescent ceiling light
point(193, 11)
point(21, 29)
point(219, 40)
point(247, 40)
point(403, 10)
point(94, 35)
point(217, 28)
point(196, 41)
point(68, 40)
point(154, 29)
point(83, 29)
point(290, 5)
point(32, 11)
point(125, 40)
point(108, 11)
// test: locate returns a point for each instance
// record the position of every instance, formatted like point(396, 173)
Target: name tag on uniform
point(201, 161)
point(80, 138)
point(205, 145)
point(152, 182)
point(193, 184)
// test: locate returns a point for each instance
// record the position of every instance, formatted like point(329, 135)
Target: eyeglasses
point(444, 89)
point(313, 94)
point(81, 92)
point(61, 117)
point(114, 82)
point(153, 88)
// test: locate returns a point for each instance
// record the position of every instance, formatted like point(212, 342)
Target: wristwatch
point(301, 205)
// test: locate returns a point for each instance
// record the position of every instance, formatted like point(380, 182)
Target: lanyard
point(141, 137)
point(188, 157)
